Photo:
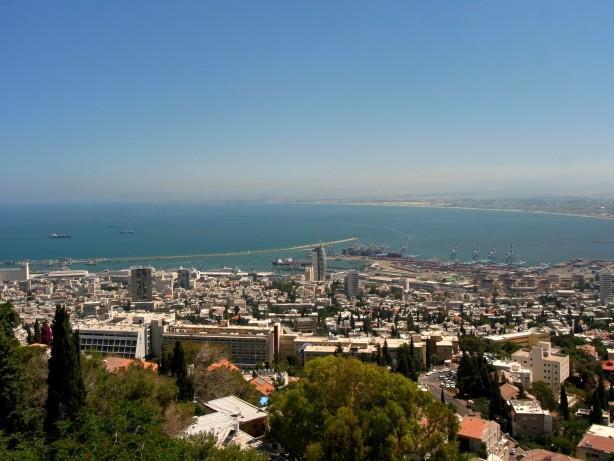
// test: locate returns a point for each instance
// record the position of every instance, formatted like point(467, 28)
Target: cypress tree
point(412, 362)
point(403, 366)
point(66, 392)
point(564, 404)
point(443, 396)
point(179, 369)
point(386, 354)
point(595, 414)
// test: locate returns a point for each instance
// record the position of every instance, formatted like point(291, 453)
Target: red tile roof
point(114, 364)
point(597, 443)
point(262, 385)
point(473, 427)
point(223, 363)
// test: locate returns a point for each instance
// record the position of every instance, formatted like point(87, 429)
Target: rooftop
point(473, 427)
point(234, 406)
point(527, 406)
point(598, 438)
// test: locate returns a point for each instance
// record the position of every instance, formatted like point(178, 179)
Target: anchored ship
point(55, 235)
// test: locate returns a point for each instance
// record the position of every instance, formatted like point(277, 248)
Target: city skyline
point(209, 101)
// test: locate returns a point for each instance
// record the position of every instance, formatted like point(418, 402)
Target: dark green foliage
point(543, 393)
point(179, 369)
point(21, 369)
point(476, 379)
point(596, 408)
point(407, 363)
point(66, 392)
point(387, 358)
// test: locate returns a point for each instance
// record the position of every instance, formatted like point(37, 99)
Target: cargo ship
point(55, 235)
point(127, 231)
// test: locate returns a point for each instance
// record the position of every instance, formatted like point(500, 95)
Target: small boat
point(126, 231)
point(55, 235)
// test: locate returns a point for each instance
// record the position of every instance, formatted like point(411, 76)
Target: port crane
point(492, 254)
point(476, 253)
point(454, 253)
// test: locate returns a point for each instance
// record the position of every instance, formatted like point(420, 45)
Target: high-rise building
point(606, 287)
point(141, 287)
point(351, 284)
point(183, 278)
point(318, 263)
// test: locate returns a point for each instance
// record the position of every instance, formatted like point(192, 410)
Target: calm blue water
point(179, 229)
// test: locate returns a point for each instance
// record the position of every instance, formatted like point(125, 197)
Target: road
point(432, 384)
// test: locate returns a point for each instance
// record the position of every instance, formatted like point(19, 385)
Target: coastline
point(433, 205)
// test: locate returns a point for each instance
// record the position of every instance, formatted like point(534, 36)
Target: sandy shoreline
point(430, 205)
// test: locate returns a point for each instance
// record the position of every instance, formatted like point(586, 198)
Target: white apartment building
point(545, 365)
point(127, 341)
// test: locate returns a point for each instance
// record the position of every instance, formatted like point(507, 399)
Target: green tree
point(66, 392)
point(543, 393)
point(386, 354)
point(11, 373)
point(596, 409)
point(179, 369)
point(344, 409)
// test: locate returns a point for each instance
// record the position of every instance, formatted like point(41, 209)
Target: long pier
point(303, 246)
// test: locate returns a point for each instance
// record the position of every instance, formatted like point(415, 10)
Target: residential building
point(529, 419)
point(597, 444)
point(545, 365)
point(477, 433)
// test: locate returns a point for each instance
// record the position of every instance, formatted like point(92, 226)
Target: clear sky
point(141, 100)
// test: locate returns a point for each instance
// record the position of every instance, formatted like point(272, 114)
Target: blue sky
point(259, 99)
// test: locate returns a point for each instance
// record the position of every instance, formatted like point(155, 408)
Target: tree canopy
point(344, 409)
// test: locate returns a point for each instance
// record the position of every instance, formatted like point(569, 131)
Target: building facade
point(545, 365)
point(318, 263)
point(141, 284)
point(351, 284)
point(123, 341)
point(606, 287)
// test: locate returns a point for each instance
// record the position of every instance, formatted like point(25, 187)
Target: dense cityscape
point(518, 359)
point(318, 230)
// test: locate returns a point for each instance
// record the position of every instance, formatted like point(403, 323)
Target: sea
point(249, 236)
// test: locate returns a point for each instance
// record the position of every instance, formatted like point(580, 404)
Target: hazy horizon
point(146, 101)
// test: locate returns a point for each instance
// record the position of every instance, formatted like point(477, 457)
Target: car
point(512, 451)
